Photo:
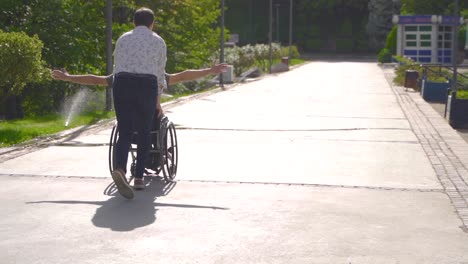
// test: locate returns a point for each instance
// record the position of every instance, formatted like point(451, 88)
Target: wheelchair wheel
point(112, 152)
point(113, 141)
point(169, 150)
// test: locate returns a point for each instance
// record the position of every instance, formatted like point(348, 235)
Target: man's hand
point(60, 75)
point(160, 110)
point(219, 68)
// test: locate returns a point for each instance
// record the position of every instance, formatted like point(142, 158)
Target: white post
point(434, 39)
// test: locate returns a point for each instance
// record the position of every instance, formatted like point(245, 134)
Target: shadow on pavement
point(122, 215)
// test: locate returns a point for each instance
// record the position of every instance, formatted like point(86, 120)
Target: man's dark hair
point(143, 17)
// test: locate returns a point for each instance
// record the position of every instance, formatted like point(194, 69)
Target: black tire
point(113, 141)
point(169, 151)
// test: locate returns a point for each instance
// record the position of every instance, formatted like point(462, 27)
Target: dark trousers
point(135, 98)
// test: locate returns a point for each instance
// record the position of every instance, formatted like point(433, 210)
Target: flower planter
point(457, 111)
point(434, 91)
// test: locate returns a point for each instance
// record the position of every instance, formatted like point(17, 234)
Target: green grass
point(18, 131)
point(296, 62)
point(462, 94)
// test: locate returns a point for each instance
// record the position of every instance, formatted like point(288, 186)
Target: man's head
point(143, 17)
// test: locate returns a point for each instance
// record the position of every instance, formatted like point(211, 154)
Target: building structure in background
point(426, 38)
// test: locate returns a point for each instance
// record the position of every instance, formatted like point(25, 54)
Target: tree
point(426, 7)
point(380, 22)
point(20, 63)
point(331, 25)
point(73, 34)
point(189, 28)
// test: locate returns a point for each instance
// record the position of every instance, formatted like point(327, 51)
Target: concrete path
point(327, 163)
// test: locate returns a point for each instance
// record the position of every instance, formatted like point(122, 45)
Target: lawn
point(17, 131)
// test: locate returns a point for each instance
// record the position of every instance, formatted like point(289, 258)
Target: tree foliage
point(189, 28)
point(328, 25)
point(73, 35)
point(20, 62)
point(430, 7)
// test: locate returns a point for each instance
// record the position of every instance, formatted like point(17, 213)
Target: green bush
point(404, 65)
point(20, 64)
point(245, 57)
point(20, 61)
point(391, 43)
point(462, 38)
point(262, 55)
point(408, 64)
point(462, 94)
point(385, 56)
point(242, 58)
point(294, 52)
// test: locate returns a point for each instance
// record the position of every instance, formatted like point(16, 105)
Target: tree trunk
point(14, 110)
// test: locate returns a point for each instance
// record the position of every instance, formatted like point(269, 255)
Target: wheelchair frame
point(163, 154)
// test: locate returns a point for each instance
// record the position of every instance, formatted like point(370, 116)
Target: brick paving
point(445, 148)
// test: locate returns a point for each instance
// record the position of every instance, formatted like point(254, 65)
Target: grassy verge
point(462, 94)
point(17, 131)
point(296, 62)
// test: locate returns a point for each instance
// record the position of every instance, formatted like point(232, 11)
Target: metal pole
point(109, 64)
point(221, 55)
point(455, 45)
point(251, 28)
point(277, 23)
point(290, 28)
point(270, 34)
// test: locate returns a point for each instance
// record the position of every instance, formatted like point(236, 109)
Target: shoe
point(139, 184)
point(119, 179)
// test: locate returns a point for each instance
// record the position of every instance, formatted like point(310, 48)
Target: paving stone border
point(446, 150)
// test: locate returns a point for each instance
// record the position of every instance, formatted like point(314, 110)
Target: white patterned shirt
point(141, 51)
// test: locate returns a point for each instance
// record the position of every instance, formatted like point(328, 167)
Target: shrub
point(262, 54)
point(462, 94)
point(294, 52)
point(20, 63)
point(242, 58)
point(391, 42)
point(462, 38)
point(408, 64)
point(404, 65)
point(385, 56)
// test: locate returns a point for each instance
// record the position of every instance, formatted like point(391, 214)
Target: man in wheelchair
point(155, 159)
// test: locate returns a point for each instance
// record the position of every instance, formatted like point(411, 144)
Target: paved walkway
point(446, 149)
point(327, 163)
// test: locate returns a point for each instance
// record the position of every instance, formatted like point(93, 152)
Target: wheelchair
point(163, 154)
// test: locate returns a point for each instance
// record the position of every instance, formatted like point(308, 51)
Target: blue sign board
point(422, 19)
point(427, 19)
point(449, 20)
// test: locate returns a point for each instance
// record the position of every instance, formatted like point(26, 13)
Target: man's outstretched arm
point(86, 79)
point(189, 75)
